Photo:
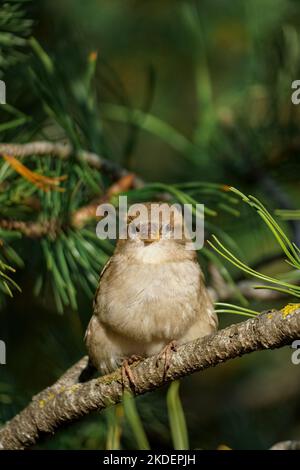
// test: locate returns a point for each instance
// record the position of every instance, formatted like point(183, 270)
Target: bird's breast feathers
point(150, 300)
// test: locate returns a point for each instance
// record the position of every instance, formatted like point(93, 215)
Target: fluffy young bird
point(151, 294)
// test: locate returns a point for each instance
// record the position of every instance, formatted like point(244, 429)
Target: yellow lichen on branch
point(289, 309)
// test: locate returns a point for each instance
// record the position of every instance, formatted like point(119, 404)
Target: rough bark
point(65, 151)
point(32, 229)
point(69, 399)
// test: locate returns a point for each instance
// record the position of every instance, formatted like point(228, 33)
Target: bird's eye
point(137, 229)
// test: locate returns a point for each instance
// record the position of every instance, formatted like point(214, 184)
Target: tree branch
point(52, 227)
point(60, 150)
point(123, 179)
point(63, 151)
point(68, 399)
point(32, 229)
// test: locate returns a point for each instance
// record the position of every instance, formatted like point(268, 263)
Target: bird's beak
point(152, 234)
point(151, 240)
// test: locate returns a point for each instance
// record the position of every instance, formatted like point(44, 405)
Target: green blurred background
point(216, 78)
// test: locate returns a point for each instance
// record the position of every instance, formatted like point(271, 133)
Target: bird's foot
point(126, 372)
point(166, 354)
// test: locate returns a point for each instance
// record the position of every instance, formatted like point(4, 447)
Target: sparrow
point(151, 297)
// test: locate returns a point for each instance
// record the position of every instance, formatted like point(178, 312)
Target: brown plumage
point(151, 292)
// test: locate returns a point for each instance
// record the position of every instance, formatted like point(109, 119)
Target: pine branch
point(51, 228)
point(31, 229)
point(69, 399)
point(63, 151)
point(123, 178)
point(222, 290)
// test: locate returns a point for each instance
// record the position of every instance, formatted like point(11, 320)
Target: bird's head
point(155, 226)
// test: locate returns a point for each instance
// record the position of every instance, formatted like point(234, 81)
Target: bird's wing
point(89, 327)
point(104, 269)
point(208, 304)
point(213, 317)
point(88, 330)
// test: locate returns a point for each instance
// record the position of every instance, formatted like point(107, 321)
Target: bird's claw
point(127, 374)
point(166, 355)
